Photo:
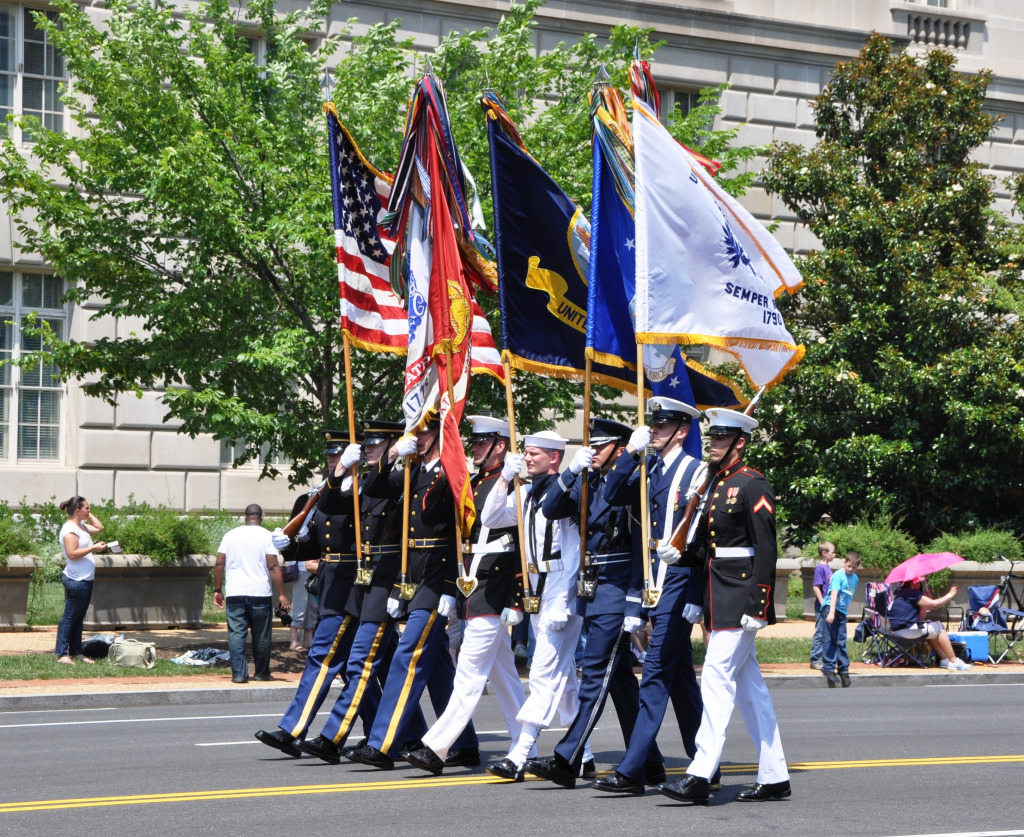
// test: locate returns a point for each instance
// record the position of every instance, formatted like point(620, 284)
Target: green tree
point(910, 399)
point(192, 199)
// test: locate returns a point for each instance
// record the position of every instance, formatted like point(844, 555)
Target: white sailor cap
point(488, 426)
point(726, 422)
point(664, 409)
point(545, 439)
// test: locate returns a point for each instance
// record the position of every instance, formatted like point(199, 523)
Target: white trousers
point(486, 652)
point(732, 677)
point(553, 683)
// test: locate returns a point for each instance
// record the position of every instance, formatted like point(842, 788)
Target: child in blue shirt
point(836, 662)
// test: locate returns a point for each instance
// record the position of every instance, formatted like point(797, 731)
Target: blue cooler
point(976, 644)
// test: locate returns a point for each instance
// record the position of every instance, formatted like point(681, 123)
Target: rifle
point(678, 539)
point(291, 528)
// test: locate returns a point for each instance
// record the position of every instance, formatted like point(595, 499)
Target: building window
point(31, 396)
point(230, 450)
point(31, 69)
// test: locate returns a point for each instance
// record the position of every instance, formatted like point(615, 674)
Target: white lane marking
point(968, 834)
point(139, 720)
point(225, 743)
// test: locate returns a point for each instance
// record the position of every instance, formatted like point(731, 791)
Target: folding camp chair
point(884, 646)
point(1000, 623)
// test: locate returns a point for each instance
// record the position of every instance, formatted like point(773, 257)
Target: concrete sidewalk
point(215, 686)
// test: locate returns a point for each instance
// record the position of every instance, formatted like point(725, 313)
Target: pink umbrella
point(921, 565)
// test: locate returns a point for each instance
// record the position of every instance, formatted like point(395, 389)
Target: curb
point(283, 693)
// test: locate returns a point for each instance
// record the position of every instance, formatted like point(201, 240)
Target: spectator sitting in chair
point(907, 610)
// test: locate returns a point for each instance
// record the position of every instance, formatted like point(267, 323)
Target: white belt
point(545, 566)
point(734, 552)
point(502, 544)
point(609, 558)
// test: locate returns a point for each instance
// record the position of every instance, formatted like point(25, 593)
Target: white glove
point(513, 466)
point(556, 623)
point(279, 539)
point(692, 613)
point(582, 461)
point(406, 446)
point(752, 623)
point(351, 456)
point(632, 624)
point(445, 606)
point(640, 438)
point(667, 553)
point(510, 617)
point(394, 608)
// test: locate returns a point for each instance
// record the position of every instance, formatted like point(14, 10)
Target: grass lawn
point(46, 667)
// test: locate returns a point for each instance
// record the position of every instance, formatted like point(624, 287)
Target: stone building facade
point(776, 56)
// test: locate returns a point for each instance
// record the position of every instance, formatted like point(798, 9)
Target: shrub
point(17, 537)
point(878, 540)
point(160, 533)
point(982, 545)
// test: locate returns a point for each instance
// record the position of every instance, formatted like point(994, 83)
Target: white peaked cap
point(729, 420)
point(545, 439)
point(486, 425)
point(661, 404)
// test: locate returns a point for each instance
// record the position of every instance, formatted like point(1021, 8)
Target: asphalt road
point(944, 759)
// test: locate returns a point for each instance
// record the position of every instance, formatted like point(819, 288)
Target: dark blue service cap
point(603, 431)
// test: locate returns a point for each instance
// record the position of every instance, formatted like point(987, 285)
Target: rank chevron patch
point(763, 504)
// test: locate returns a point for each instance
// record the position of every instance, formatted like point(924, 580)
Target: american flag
point(372, 314)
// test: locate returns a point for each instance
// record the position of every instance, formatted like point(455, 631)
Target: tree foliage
point(191, 201)
point(910, 399)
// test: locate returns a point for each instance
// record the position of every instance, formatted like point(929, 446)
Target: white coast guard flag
point(705, 272)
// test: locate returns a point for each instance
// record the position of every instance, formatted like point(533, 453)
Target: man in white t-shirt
point(246, 563)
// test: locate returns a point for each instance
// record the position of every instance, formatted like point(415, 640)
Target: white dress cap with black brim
point(725, 421)
point(488, 427)
point(664, 409)
point(547, 439)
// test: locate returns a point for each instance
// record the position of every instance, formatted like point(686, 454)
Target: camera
point(283, 615)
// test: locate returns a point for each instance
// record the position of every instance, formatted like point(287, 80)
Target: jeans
point(818, 641)
point(835, 657)
point(249, 613)
point(77, 595)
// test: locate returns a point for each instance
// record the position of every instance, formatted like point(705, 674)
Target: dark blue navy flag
point(543, 244)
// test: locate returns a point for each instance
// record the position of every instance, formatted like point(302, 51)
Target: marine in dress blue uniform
point(375, 635)
point(668, 672)
point(736, 541)
point(614, 566)
point(421, 659)
point(327, 535)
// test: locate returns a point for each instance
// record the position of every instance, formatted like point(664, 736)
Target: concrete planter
point(784, 568)
point(15, 579)
point(964, 575)
point(131, 591)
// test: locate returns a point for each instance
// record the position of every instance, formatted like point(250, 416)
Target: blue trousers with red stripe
point(327, 655)
point(420, 661)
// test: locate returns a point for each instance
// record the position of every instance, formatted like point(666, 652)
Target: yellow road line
point(444, 781)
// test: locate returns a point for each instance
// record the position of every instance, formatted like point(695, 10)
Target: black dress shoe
point(555, 769)
point(426, 759)
point(617, 783)
point(322, 748)
point(506, 769)
point(654, 774)
point(462, 757)
point(410, 747)
point(351, 748)
point(759, 793)
point(830, 676)
point(370, 756)
point(279, 740)
point(694, 789)
point(588, 770)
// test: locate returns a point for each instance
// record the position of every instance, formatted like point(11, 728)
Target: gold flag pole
point(350, 401)
point(458, 507)
point(650, 594)
point(531, 604)
point(586, 587)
